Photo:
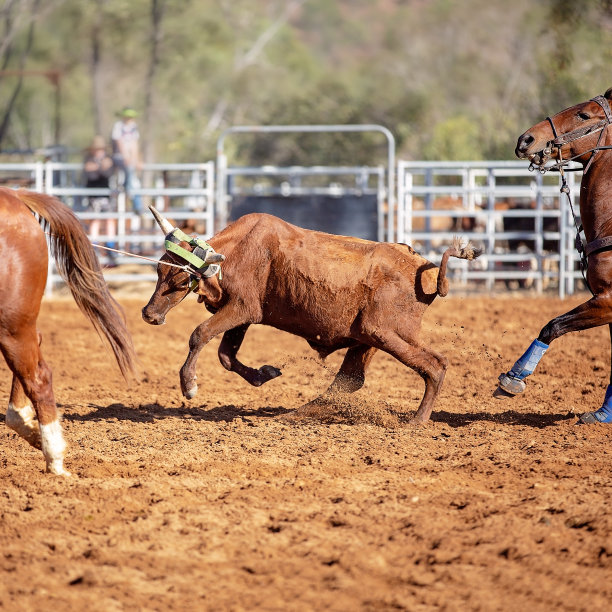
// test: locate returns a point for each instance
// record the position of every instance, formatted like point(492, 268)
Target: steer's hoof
point(269, 372)
point(512, 386)
point(191, 392)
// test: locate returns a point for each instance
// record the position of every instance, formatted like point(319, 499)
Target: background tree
point(449, 79)
point(16, 15)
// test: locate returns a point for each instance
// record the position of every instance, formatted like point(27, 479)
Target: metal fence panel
point(520, 218)
point(183, 192)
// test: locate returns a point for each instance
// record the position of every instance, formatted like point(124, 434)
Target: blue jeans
point(132, 182)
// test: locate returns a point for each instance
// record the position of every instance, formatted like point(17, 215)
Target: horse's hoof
point(499, 393)
point(57, 469)
point(589, 418)
point(512, 386)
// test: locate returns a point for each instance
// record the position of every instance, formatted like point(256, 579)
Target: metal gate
point(352, 200)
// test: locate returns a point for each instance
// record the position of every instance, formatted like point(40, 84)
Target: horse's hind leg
point(21, 417)
point(33, 380)
point(228, 349)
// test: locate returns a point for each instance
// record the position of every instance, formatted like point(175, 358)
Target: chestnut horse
point(23, 276)
point(581, 133)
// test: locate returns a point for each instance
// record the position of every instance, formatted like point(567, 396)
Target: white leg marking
point(23, 421)
point(53, 447)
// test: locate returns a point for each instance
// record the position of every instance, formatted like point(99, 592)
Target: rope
point(100, 246)
point(155, 261)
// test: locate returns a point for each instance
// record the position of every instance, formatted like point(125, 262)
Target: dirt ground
point(219, 503)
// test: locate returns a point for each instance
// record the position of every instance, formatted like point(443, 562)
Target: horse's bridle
point(558, 141)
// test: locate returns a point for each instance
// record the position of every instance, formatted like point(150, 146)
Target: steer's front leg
point(219, 323)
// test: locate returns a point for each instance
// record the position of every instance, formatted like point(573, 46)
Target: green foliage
point(451, 80)
point(456, 138)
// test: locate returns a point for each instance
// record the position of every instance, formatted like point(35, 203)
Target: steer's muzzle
point(152, 317)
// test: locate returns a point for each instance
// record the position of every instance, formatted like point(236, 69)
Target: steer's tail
point(456, 250)
point(78, 265)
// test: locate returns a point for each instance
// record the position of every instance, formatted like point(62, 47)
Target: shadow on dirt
point(149, 413)
point(509, 417)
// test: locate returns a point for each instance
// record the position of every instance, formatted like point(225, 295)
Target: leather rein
point(557, 143)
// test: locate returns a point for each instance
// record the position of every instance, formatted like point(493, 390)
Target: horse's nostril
point(526, 141)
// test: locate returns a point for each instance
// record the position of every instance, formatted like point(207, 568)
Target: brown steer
point(334, 291)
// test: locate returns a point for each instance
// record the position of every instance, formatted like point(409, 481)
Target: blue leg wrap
point(512, 382)
point(528, 362)
point(604, 414)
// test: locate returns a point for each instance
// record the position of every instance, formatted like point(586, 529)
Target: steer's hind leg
point(430, 365)
point(351, 376)
point(230, 344)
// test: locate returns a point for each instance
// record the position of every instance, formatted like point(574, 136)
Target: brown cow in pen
point(334, 291)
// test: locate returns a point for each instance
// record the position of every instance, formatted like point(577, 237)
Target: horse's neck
point(596, 198)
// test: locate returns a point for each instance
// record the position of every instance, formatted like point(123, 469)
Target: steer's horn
point(213, 257)
point(165, 225)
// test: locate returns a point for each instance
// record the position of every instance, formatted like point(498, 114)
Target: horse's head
point(189, 264)
point(573, 133)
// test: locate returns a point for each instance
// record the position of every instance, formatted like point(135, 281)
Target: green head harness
point(201, 261)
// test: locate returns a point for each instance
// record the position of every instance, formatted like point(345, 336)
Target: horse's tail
point(78, 265)
point(456, 250)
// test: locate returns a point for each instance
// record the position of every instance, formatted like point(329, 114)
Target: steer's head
point(189, 264)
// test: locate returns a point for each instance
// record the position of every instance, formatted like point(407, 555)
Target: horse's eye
point(584, 115)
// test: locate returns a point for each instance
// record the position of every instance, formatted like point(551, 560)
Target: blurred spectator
point(98, 167)
point(126, 153)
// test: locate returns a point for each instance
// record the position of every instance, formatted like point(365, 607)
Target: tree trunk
point(157, 12)
point(4, 124)
point(96, 84)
